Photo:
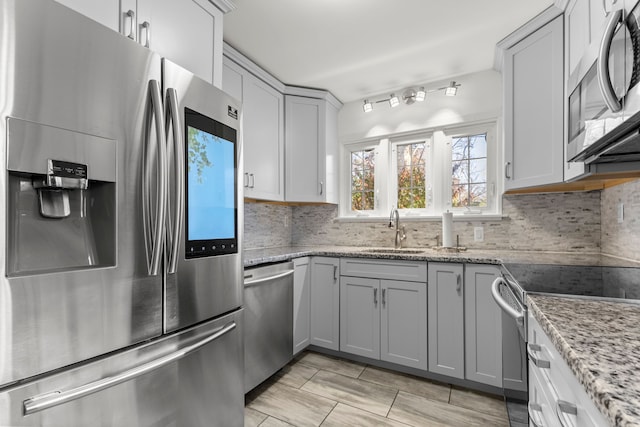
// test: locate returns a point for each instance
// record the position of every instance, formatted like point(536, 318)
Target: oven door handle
point(604, 78)
point(495, 292)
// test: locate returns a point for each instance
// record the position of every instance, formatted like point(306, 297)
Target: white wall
point(479, 98)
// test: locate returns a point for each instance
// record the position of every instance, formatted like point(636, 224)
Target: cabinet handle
point(564, 408)
point(321, 187)
point(246, 180)
point(458, 283)
point(534, 408)
point(147, 33)
point(132, 24)
point(375, 297)
point(604, 78)
point(507, 170)
point(252, 180)
point(384, 295)
point(335, 273)
point(540, 363)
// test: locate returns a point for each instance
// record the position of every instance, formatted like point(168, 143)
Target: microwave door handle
point(153, 225)
point(604, 79)
point(178, 167)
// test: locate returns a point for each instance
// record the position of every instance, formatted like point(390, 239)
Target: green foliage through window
point(363, 180)
point(411, 176)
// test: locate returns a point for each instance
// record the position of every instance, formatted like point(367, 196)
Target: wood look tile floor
point(319, 390)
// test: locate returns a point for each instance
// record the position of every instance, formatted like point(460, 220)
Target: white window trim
point(439, 140)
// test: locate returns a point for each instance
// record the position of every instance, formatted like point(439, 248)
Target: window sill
point(424, 218)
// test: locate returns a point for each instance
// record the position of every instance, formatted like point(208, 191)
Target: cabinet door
point(403, 323)
point(301, 301)
point(324, 322)
point(483, 326)
point(187, 32)
point(446, 319)
point(232, 78)
point(304, 137)
point(263, 126)
point(360, 316)
point(533, 108)
point(102, 11)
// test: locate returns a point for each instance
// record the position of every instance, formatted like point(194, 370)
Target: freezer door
point(204, 262)
point(193, 378)
point(74, 281)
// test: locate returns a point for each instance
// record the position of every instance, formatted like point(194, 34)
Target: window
point(411, 175)
point(363, 167)
point(469, 171)
point(423, 174)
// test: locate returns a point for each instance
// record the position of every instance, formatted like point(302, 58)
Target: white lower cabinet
point(382, 318)
point(324, 313)
point(301, 303)
point(483, 326)
point(556, 398)
point(446, 319)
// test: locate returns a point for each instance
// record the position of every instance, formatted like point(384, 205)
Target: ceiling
point(363, 48)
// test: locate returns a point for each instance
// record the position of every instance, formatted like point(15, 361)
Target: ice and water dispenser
point(61, 199)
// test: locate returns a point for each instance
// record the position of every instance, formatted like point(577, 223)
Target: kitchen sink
point(392, 251)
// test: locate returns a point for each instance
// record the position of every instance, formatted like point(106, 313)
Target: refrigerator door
point(204, 227)
point(193, 378)
point(74, 279)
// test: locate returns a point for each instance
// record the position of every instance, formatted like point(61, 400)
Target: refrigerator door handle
point(55, 398)
point(173, 119)
point(154, 225)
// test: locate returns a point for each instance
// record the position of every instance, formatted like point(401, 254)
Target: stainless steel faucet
point(394, 218)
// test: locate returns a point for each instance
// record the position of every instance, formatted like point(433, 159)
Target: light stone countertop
point(255, 257)
point(600, 341)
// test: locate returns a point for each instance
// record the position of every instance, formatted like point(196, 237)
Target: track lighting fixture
point(411, 95)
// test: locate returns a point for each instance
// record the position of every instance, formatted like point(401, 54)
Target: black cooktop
point(600, 281)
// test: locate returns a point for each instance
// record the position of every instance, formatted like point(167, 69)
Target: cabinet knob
point(458, 283)
point(375, 297)
point(335, 273)
point(384, 295)
point(321, 188)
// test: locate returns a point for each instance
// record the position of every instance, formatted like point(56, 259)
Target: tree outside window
point(469, 171)
point(411, 176)
point(362, 180)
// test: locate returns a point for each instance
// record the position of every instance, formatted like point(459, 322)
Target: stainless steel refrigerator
point(121, 268)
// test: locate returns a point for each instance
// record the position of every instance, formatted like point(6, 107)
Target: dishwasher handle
point(248, 283)
point(55, 398)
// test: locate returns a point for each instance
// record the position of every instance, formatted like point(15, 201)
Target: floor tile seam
point(307, 392)
point(329, 413)
point(374, 414)
point(479, 411)
point(324, 368)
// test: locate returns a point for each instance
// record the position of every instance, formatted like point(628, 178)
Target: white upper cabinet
point(311, 147)
point(187, 32)
point(102, 11)
point(534, 108)
point(262, 132)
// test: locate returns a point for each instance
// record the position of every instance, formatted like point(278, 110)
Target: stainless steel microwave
point(604, 94)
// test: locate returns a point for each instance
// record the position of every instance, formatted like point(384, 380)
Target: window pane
point(411, 176)
point(459, 148)
point(478, 170)
point(460, 172)
point(362, 179)
point(478, 146)
point(478, 195)
point(459, 194)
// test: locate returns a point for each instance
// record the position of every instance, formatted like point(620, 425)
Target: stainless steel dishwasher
point(268, 321)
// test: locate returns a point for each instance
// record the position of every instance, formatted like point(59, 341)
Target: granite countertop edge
point(598, 390)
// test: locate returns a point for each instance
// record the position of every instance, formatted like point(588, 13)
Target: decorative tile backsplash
point(563, 222)
point(546, 222)
point(621, 239)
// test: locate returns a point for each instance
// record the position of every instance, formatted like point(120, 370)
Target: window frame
point(440, 152)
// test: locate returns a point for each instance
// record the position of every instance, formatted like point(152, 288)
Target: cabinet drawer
point(411, 271)
point(560, 381)
point(541, 402)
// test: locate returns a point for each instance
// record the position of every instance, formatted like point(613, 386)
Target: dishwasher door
point(268, 321)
